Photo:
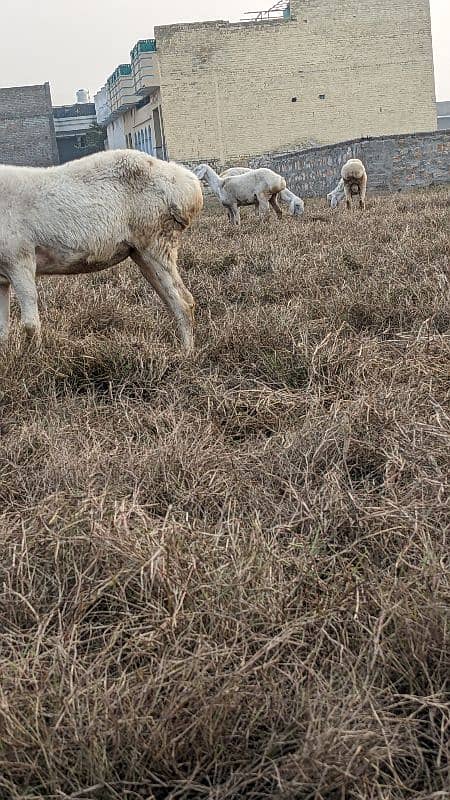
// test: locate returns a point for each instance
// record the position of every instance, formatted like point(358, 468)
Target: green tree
point(95, 136)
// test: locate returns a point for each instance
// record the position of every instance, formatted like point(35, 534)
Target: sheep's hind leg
point(274, 203)
point(167, 283)
point(235, 215)
point(22, 277)
point(5, 292)
point(348, 196)
point(362, 194)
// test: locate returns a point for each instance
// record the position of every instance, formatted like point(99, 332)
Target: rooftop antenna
point(274, 12)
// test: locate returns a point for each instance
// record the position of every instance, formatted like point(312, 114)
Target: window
point(321, 97)
point(143, 140)
point(81, 143)
point(149, 141)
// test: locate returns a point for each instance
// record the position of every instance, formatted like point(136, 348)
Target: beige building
point(321, 72)
point(129, 105)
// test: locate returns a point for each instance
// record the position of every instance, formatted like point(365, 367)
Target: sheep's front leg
point(5, 292)
point(264, 207)
point(274, 203)
point(164, 277)
point(22, 276)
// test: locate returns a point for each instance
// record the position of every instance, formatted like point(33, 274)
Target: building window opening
point(321, 97)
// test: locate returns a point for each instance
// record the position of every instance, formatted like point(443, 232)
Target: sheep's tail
point(282, 185)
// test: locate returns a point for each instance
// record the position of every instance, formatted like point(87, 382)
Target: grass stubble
point(226, 576)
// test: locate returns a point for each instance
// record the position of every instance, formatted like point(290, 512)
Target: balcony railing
point(143, 46)
point(145, 66)
point(121, 92)
point(121, 71)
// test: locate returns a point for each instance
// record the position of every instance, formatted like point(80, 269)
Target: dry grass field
point(225, 577)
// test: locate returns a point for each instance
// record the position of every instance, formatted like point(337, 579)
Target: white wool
point(90, 214)
point(258, 187)
point(353, 182)
point(337, 194)
point(295, 203)
point(354, 175)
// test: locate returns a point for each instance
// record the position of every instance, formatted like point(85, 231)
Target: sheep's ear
point(177, 215)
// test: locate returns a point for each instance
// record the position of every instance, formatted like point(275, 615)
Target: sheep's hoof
point(33, 335)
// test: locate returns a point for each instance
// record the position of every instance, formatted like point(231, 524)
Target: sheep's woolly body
point(354, 175)
point(353, 169)
point(90, 214)
point(295, 203)
point(258, 187)
point(243, 188)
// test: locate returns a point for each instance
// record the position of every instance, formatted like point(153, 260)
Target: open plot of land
point(225, 576)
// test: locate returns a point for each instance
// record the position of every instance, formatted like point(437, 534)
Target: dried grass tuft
point(226, 577)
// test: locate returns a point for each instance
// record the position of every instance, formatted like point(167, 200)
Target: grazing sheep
point(91, 214)
point(296, 204)
point(354, 176)
point(259, 187)
point(336, 195)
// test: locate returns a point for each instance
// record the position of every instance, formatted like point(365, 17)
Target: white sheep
point(259, 187)
point(91, 214)
point(336, 195)
point(296, 204)
point(354, 175)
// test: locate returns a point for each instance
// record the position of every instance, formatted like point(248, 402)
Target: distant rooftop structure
point(443, 115)
point(75, 110)
point(73, 124)
point(83, 96)
point(27, 130)
point(280, 9)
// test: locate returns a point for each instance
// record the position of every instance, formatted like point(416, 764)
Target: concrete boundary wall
point(393, 163)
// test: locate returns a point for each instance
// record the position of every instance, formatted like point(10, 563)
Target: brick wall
point(392, 163)
point(356, 68)
point(27, 132)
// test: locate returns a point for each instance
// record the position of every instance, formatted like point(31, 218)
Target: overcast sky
point(78, 44)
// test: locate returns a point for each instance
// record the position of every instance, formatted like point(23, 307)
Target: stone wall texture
point(334, 71)
point(392, 162)
point(27, 131)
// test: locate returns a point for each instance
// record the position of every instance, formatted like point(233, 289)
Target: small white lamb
point(259, 187)
point(336, 195)
point(296, 204)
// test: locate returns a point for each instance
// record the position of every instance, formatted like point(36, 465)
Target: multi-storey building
point(319, 72)
point(130, 102)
